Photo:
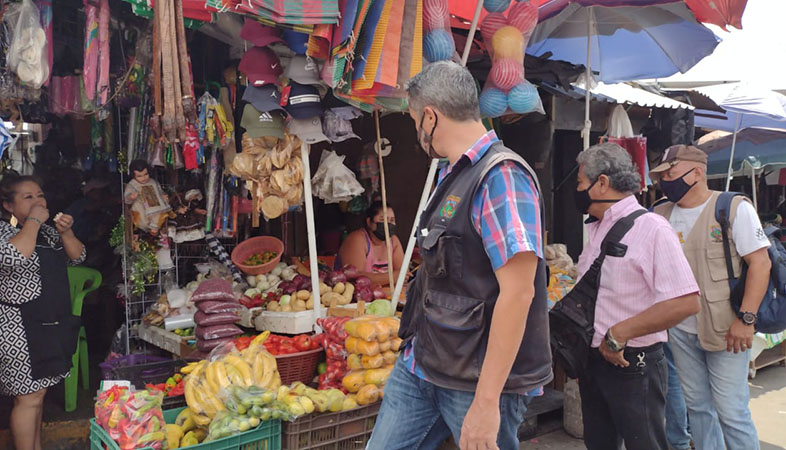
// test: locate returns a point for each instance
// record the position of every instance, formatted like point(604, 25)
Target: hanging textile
point(45, 9)
point(96, 63)
point(292, 12)
point(637, 148)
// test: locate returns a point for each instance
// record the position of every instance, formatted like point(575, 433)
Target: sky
point(757, 53)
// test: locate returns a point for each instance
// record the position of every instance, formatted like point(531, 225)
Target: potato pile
point(373, 346)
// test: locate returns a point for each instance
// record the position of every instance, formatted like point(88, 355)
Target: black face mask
point(428, 139)
point(584, 201)
point(379, 232)
point(674, 190)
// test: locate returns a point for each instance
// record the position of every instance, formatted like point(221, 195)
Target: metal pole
point(733, 145)
point(311, 230)
point(432, 171)
point(588, 84)
point(388, 246)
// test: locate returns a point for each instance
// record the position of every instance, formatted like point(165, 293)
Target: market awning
point(623, 93)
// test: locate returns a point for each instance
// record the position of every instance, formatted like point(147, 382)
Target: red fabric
point(718, 12)
point(637, 148)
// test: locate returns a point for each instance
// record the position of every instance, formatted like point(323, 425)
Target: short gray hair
point(446, 86)
point(614, 162)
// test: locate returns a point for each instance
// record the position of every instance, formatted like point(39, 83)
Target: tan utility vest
point(703, 248)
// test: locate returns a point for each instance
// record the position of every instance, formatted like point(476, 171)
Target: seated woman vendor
point(366, 250)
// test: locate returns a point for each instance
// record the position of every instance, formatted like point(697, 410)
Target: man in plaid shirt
point(475, 326)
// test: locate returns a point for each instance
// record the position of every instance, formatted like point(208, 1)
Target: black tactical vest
point(451, 301)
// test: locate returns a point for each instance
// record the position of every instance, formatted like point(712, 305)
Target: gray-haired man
point(475, 325)
point(646, 286)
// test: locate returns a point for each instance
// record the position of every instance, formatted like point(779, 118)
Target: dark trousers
point(626, 404)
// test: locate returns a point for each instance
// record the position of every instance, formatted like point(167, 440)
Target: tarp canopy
point(762, 149)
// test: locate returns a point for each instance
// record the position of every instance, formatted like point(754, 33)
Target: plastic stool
point(82, 281)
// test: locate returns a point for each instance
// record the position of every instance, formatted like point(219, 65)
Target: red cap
point(258, 34)
point(261, 66)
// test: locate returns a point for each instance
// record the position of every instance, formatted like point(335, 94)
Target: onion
point(362, 282)
point(364, 293)
point(350, 271)
point(299, 280)
point(287, 287)
point(378, 293)
point(337, 277)
point(323, 275)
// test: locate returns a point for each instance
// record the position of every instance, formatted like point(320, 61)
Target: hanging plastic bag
point(27, 52)
point(334, 182)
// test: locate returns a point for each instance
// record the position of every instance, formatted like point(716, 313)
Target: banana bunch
point(208, 383)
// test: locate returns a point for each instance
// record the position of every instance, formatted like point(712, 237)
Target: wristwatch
point(612, 344)
point(748, 318)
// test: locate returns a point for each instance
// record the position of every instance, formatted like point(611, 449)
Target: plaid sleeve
point(506, 214)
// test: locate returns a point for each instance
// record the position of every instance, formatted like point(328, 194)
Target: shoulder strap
point(614, 236)
point(722, 216)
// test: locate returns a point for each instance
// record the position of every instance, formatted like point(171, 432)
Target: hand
point(39, 212)
point(739, 337)
point(133, 196)
point(64, 224)
point(615, 358)
point(481, 426)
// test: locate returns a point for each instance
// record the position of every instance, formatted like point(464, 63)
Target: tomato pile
point(257, 259)
point(283, 345)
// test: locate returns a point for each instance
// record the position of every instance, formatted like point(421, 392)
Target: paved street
point(768, 405)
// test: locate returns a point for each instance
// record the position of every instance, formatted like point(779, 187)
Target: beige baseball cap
point(677, 153)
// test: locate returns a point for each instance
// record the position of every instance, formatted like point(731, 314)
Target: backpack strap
point(722, 216)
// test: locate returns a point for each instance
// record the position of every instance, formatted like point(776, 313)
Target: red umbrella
point(718, 12)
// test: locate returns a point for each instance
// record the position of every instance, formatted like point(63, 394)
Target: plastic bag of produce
point(222, 318)
point(217, 332)
point(132, 419)
point(214, 307)
point(214, 289)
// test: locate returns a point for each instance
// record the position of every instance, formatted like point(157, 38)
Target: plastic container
point(141, 369)
point(254, 245)
point(287, 322)
point(344, 430)
point(267, 436)
point(299, 366)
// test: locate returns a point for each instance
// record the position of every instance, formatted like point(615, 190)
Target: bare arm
point(516, 291)
point(658, 317)
point(740, 336)
point(25, 240)
point(353, 251)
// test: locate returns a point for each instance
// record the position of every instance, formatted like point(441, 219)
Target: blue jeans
point(416, 414)
point(715, 385)
point(676, 412)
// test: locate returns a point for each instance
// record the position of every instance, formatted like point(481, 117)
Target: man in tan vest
point(712, 349)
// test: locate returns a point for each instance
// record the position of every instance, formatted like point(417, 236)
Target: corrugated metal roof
point(626, 94)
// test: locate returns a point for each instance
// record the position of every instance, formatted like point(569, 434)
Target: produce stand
point(340, 430)
point(166, 340)
point(267, 436)
point(767, 350)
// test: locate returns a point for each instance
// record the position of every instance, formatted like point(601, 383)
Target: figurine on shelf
point(149, 204)
point(189, 222)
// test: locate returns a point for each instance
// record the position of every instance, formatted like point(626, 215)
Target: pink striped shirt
point(654, 269)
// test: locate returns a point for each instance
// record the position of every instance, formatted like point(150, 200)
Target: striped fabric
point(653, 270)
point(220, 252)
point(298, 12)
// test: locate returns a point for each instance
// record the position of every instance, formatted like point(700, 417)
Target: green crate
point(345, 430)
point(267, 436)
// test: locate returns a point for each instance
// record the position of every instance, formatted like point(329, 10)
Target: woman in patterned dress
point(37, 330)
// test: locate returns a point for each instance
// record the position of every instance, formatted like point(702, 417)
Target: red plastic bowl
point(255, 245)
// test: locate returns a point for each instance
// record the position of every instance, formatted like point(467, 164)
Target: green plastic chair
point(82, 281)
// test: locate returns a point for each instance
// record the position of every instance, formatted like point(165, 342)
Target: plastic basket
point(267, 436)
point(257, 244)
point(346, 430)
point(298, 366)
point(141, 369)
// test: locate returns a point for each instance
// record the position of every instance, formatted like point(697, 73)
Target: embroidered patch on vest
point(716, 235)
point(449, 208)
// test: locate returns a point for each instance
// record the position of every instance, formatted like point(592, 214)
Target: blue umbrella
point(623, 43)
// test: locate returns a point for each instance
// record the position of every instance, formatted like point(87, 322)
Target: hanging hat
point(304, 101)
point(296, 41)
point(258, 34)
point(261, 66)
point(342, 109)
point(265, 98)
point(303, 70)
point(308, 130)
point(337, 128)
point(261, 124)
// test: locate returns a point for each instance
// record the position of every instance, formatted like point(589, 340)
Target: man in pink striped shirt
point(642, 293)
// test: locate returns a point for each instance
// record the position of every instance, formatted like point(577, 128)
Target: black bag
point(572, 319)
